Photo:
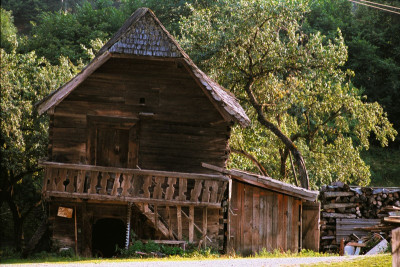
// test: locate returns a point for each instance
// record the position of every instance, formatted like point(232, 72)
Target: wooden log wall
point(263, 219)
point(185, 130)
point(356, 209)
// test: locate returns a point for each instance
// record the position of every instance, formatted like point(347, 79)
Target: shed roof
point(267, 182)
point(143, 35)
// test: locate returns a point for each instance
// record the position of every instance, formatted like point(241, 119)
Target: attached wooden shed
point(266, 213)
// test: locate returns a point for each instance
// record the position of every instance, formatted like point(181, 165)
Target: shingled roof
point(144, 35)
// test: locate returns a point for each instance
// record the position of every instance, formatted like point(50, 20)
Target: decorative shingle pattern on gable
point(146, 38)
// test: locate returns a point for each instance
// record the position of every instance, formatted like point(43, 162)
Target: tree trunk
point(18, 223)
point(301, 166)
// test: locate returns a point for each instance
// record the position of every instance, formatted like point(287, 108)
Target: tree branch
point(260, 167)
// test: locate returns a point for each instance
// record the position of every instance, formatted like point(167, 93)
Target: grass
point(384, 260)
point(192, 256)
point(384, 165)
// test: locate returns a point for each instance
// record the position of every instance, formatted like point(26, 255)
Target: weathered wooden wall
point(63, 231)
point(186, 128)
point(263, 219)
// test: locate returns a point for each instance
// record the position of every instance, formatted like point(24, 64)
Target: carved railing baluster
point(147, 186)
point(196, 191)
point(169, 194)
point(158, 191)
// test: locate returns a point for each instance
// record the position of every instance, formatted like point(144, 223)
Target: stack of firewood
point(342, 201)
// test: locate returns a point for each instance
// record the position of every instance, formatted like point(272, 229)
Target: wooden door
point(112, 147)
point(310, 225)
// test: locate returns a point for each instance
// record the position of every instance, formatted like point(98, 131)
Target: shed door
point(112, 147)
point(310, 225)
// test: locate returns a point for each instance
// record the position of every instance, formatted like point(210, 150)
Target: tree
point(25, 79)
point(62, 33)
point(374, 47)
point(300, 100)
point(8, 30)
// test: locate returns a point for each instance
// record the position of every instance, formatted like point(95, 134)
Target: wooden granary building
point(127, 139)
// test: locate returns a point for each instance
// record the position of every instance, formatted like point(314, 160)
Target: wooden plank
point(214, 191)
point(310, 225)
point(396, 246)
point(289, 226)
point(204, 227)
point(171, 188)
point(248, 225)
point(195, 193)
point(337, 215)
point(191, 224)
point(158, 191)
point(338, 194)
point(93, 182)
point(256, 223)
point(339, 205)
point(124, 199)
point(168, 212)
point(62, 176)
point(182, 189)
point(194, 176)
point(280, 236)
point(103, 183)
point(274, 221)
point(147, 180)
point(156, 217)
point(179, 221)
point(116, 184)
point(206, 191)
point(80, 183)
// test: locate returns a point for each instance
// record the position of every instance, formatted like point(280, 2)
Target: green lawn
point(364, 261)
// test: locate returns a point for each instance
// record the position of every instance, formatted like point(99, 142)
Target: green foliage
point(8, 32)
point(25, 79)
point(298, 80)
point(62, 34)
point(374, 47)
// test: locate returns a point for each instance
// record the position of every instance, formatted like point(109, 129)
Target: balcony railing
point(133, 185)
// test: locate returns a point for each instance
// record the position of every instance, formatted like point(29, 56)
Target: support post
point(205, 227)
point(128, 225)
point(191, 224)
point(76, 234)
point(179, 221)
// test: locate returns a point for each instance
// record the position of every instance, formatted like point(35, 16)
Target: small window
point(142, 101)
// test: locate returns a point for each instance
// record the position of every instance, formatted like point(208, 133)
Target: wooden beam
point(191, 224)
point(339, 205)
point(338, 215)
point(204, 227)
point(134, 171)
point(338, 194)
point(123, 199)
point(179, 221)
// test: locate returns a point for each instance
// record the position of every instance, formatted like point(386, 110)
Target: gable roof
point(144, 35)
point(266, 182)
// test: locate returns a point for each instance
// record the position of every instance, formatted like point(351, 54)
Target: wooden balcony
point(133, 185)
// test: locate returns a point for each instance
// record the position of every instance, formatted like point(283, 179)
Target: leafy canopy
point(299, 81)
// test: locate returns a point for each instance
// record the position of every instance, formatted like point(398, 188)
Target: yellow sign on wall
point(65, 212)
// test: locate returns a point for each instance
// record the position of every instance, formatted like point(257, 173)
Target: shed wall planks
point(263, 219)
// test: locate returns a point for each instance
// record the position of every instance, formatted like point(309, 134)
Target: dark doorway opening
point(107, 235)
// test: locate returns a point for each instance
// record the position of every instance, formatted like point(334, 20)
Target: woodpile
point(369, 209)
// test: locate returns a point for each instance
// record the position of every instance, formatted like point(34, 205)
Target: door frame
point(132, 124)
